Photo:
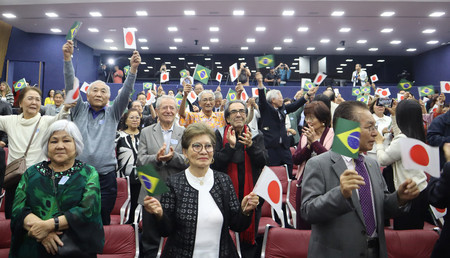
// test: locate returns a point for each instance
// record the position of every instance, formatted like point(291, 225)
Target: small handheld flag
point(73, 94)
point(356, 91)
point(151, 180)
point(192, 97)
point(418, 155)
point(445, 87)
point(183, 73)
point(218, 77)
point(151, 98)
point(244, 95)
point(364, 99)
point(320, 77)
point(20, 84)
point(346, 138)
point(426, 90)
point(308, 85)
point(255, 92)
point(404, 85)
point(233, 72)
point(269, 188)
point(126, 69)
point(438, 213)
point(231, 95)
point(84, 88)
point(264, 61)
point(365, 89)
point(384, 93)
point(202, 73)
point(179, 98)
point(400, 97)
point(147, 85)
point(73, 30)
point(374, 78)
point(129, 38)
point(164, 77)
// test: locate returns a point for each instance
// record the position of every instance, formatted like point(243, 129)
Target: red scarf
point(248, 235)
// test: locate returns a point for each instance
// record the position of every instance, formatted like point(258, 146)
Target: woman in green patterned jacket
point(57, 202)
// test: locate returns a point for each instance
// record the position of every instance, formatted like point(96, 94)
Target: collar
point(201, 114)
point(166, 131)
point(96, 113)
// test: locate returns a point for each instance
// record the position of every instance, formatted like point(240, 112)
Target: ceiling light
point(303, 29)
point(287, 40)
point(241, 58)
point(428, 31)
point(207, 59)
point(244, 48)
point(432, 42)
point(157, 58)
point(251, 40)
point(219, 67)
point(108, 40)
point(142, 40)
point(364, 69)
point(173, 48)
point(173, 66)
point(337, 13)
point(310, 48)
point(387, 14)
point(111, 61)
point(144, 48)
point(343, 64)
point(348, 60)
point(340, 49)
point(143, 62)
point(51, 15)
point(324, 41)
point(380, 60)
point(214, 40)
point(178, 40)
point(217, 62)
point(345, 30)
point(150, 67)
point(189, 12)
point(268, 67)
point(373, 49)
point(288, 12)
point(436, 14)
point(205, 48)
point(292, 67)
point(193, 67)
point(172, 28)
point(95, 14)
point(190, 63)
point(395, 42)
point(369, 65)
point(55, 30)
point(146, 70)
point(181, 58)
point(277, 48)
point(9, 15)
point(411, 49)
point(387, 30)
point(339, 68)
point(141, 13)
point(168, 70)
point(167, 63)
point(253, 71)
point(112, 30)
point(260, 29)
point(213, 28)
point(361, 41)
point(238, 12)
point(113, 48)
point(93, 29)
point(294, 63)
point(340, 71)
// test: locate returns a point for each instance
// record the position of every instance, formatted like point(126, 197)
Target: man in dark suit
point(273, 116)
point(347, 200)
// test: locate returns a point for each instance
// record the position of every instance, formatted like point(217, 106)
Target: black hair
point(325, 99)
point(409, 119)
point(347, 110)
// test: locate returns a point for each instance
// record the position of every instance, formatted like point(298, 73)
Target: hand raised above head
point(68, 50)
point(135, 61)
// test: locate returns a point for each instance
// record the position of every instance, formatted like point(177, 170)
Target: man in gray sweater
point(98, 123)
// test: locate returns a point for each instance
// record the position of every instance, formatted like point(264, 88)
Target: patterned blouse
point(216, 120)
point(126, 152)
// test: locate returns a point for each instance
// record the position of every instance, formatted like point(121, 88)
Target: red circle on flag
point(419, 155)
point(373, 78)
point(384, 93)
point(440, 210)
point(234, 72)
point(274, 191)
point(192, 94)
point(77, 92)
point(319, 79)
point(164, 77)
point(447, 86)
point(129, 38)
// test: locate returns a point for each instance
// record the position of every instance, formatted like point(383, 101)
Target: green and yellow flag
point(126, 69)
point(426, 90)
point(264, 61)
point(346, 138)
point(404, 85)
point(365, 89)
point(363, 98)
point(308, 85)
point(147, 85)
point(179, 98)
point(202, 73)
point(20, 84)
point(231, 95)
point(356, 91)
point(183, 73)
point(73, 30)
point(151, 180)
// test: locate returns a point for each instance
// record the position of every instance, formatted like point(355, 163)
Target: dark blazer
point(179, 221)
point(5, 110)
point(439, 133)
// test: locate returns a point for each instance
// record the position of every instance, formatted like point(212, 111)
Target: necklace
point(201, 180)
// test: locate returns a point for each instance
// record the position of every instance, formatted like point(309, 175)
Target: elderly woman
point(201, 205)
point(54, 109)
point(57, 202)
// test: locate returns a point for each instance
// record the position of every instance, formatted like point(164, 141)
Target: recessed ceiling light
point(369, 65)
point(150, 67)
point(141, 13)
point(436, 14)
point(277, 48)
point(364, 69)
point(268, 67)
point(157, 58)
point(189, 12)
point(95, 14)
point(178, 40)
point(324, 40)
point(387, 30)
point(219, 67)
point(343, 64)
point(244, 48)
point(190, 63)
point(142, 40)
point(428, 31)
point(9, 15)
point(303, 29)
point(411, 49)
point(337, 13)
point(143, 62)
point(55, 30)
point(348, 60)
point(310, 48)
point(168, 70)
point(292, 67)
point(288, 12)
point(373, 49)
point(167, 63)
point(395, 42)
point(93, 29)
point(113, 48)
point(340, 71)
point(387, 14)
point(380, 60)
point(144, 48)
point(345, 30)
point(51, 15)
point(146, 70)
point(294, 63)
point(296, 59)
point(217, 62)
point(253, 71)
point(108, 40)
point(339, 68)
point(173, 48)
point(260, 28)
point(213, 28)
point(238, 12)
point(205, 48)
point(340, 49)
point(214, 40)
point(173, 66)
point(432, 42)
point(207, 59)
point(192, 67)
point(241, 58)
point(251, 40)
point(181, 58)
point(287, 40)
point(111, 61)
point(172, 29)
point(361, 41)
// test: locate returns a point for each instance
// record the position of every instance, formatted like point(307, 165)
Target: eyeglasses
point(210, 100)
point(371, 128)
point(235, 111)
point(198, 147)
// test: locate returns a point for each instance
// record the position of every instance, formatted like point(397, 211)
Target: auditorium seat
point(295, 167)
point(282, 174)
point(121, 210)
point(267, 218)
point(5, 238)
point(416, 243)
point(119, 242)
point(2, 204)
point(285, 242)
point(291, 195)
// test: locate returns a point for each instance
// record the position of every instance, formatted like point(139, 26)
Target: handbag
point(70, 248)
point(15, 169)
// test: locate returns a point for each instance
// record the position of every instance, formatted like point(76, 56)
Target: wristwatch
point(56, 219)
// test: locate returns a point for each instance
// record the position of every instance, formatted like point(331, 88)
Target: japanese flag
point(320, 77)
point(151, 98)
point(129, 39)
point(255, 92)
point(269, 188)
point(438, 213)
point(418, 155)
point(192, 97)
point(244, 95)
point(73, 94)
point(164, 77)
point(445, 87)
point(384, 93)
point(400, 97)
point(233, 72)
point(374, 78)
point(85, 87)
point(218, 77)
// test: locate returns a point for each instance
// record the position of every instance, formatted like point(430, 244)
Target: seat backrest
point(266, 210)
point(410, 243)
point(122, 195)
point(5, 237)
point(285, 242)
point(119, 241)
point(292, 192)
point(282, 174)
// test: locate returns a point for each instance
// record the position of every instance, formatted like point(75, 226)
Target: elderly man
point(98, 123)
point(242, 156)
point(218, 101)
point(160, 145)
point(346, 200)
point(206, 102)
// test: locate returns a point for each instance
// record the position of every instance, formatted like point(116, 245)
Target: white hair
point(99, 82)
point(70, 128)
point(158, 101)
point(272, 94)
point(203, 92)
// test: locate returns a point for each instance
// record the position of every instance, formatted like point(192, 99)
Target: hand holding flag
point(20, 84)
point(270, 189)
point(320, 77)
point(233, 72)
point(73, 94)
point(73, 30)
point(129, 38)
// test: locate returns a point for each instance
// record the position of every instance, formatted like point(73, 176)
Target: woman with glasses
point(201, 205)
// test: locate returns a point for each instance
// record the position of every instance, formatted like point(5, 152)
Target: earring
point(212, 161)
point(186, 161)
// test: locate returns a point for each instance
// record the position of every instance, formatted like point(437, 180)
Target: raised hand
point(246, 138)
point(135, 62)
point(68, 50)
point(407, 191)
point(249, 203)
point(231, 137)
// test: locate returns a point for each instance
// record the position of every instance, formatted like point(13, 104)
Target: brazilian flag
point(426, 90)
point(365, 89)
point(147, 85)
point(179, 98)
point(231, 95)
point(264, 61)
point(183, 73)
point(151, 180)
point(20, 84)
point(202, 73)
point(346, 138)
point(362, 98)
point(404, 85)
point(73, 30)
point(356, 91)
point(126, 69)
point(308, 85)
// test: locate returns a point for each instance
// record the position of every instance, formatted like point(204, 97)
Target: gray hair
point(218, 95)
point(158, 101)
point(272, 94)
point(227, 107)
point(203, 92)
point(99, 82)
point(67, 126)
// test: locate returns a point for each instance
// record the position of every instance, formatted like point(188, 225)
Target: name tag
point(101, 122)
point(63, 180)
point(174, 141)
